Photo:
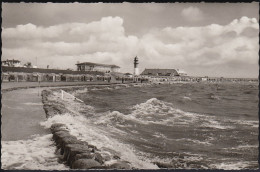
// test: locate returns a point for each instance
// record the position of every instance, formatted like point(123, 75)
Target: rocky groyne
point(75, 153)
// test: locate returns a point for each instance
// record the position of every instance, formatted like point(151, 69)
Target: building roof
point(160, 72)
point(39, 70)
point(11, 61)
point(98, 64)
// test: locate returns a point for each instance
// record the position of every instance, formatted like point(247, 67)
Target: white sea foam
point(186, 98)
point(194, 141)
point(215, 124)
point(151, 110)
point(84, 130)
point(184, 159)
point(242, 147)
point(251, 123)
point(80, 91)
point(234, 166)
point(99, 130)
point(215, 97)
point(33, 104)
point(247, 146)
point(96, 89)
point(159, 135)
point(34, 154)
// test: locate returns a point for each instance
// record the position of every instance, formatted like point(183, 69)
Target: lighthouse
point(136, 70)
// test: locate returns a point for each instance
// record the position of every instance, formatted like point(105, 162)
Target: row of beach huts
point(22, 74)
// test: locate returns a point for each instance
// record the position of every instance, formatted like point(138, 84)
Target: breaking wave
point(156, 130)
point(34, 154)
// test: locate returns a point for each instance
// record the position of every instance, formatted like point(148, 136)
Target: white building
point(11, 63)
point(87, 66)
point(181, 72)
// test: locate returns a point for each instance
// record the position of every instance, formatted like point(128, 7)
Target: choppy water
point(194, 125)
point(191, 125)
point(36, 153)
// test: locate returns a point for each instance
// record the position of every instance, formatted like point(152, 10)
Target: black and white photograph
point(129, 86)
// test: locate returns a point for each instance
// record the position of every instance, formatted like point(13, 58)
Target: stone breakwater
point(75, 153)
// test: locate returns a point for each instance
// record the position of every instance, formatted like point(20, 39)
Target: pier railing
point(65, 94)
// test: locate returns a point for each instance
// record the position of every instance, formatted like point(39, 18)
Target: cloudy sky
point(203, 39)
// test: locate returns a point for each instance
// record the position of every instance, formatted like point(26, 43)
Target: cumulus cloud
point(193, 14)
point(206, 47)
point(222, 50)
point(97, 41)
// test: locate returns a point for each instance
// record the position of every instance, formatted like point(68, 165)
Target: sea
point(185, 125)
point(181, 125)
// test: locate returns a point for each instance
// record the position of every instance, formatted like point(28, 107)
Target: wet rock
point(92, 147)
point(84, 156)
point(196, 164)
point(106, 156)
point(92, 150)
point(112, 153)
point(59, 135)
point(120, 165)
point(163, 165)
point(61, 143)
point(48, 111)
point(72, 140)
point(98, 158)
point(58, 127)
point(60, 159)
point(86, 164)
point(77, 154)
point(116, 157)
point(50, 114)
point(181, 161)
point(71, 150)
point(81, 156)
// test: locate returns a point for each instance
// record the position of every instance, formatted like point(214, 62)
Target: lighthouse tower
point(136, 70)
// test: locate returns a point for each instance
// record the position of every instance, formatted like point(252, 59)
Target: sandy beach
point(22, 107)
point(21, 113)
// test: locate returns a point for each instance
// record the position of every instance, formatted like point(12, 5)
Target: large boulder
point(106, 156)
point(58, 127)
point(116, 157)
point(93, 148)
point(61, 143)
point(71, 150)
point(81, 156)
point(60, 134)
point(120, 165)
point(113, 153)
point(98, 158)
point(164, 165)
point(86, 164)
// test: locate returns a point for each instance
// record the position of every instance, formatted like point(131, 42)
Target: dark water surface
point(191, 125)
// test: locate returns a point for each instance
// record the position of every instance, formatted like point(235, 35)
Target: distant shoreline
point(10, 86)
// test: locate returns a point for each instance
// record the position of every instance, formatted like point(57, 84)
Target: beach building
point(160, 72)
point(129, 75)
point(88, 66)
point(11, 63)
point(181, 72)
point(19, 74)
point(162, 75)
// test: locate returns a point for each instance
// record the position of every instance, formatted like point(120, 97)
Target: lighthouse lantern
point(136, 70)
